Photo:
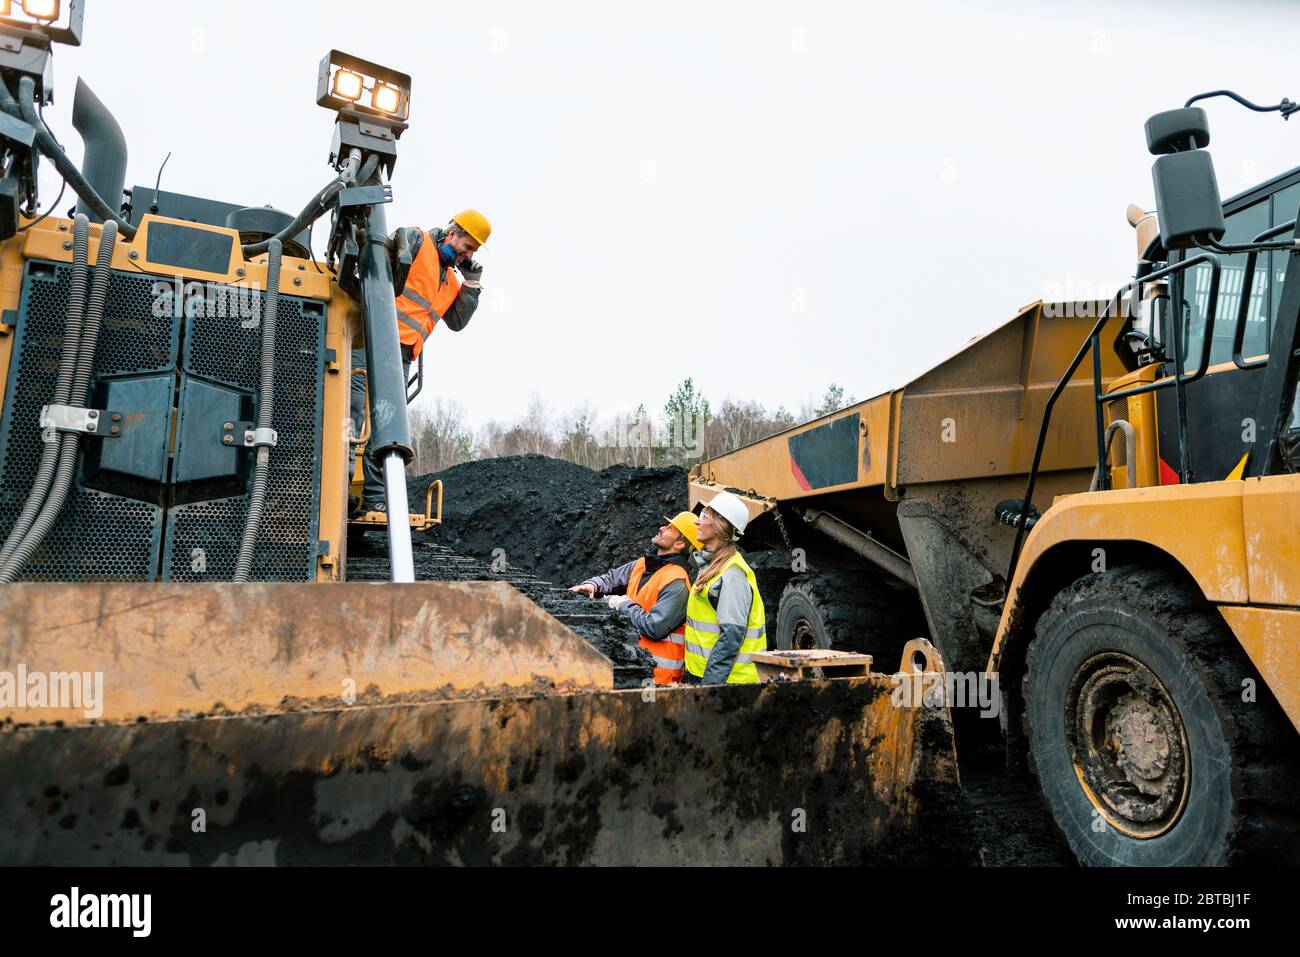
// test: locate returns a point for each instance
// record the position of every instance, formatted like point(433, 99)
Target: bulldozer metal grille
point(203, 537)
point(105, 537)
point(97, 537)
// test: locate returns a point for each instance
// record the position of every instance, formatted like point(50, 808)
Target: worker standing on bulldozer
point(650, 592)
point(725, 619)
point(427, 291)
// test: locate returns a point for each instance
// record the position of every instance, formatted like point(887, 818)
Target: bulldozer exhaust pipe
point(104, 163)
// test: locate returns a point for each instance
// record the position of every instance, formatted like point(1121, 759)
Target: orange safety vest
point(430, 290)
point(669, 653)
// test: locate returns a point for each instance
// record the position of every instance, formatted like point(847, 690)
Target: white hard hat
point(730, 507)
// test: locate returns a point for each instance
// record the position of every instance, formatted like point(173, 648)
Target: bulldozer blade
point(811, 772)
point(120, 652)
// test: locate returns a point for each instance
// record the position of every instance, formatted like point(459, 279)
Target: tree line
point(685, 430)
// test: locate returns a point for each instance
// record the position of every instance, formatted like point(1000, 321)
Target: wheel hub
point(1128, 744)
point(804, 636)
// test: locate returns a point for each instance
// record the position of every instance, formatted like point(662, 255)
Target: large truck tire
point(848, 611)
point(1153, 738)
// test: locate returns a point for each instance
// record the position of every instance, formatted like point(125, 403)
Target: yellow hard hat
point(474, 223)
point(688, 525)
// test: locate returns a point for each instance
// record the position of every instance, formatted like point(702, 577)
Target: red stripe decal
point(798, 475)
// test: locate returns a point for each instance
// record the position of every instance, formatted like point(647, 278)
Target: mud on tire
point(847, 611)
point(1136, 681)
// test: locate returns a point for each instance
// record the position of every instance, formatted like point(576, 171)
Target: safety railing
point(1178, 382)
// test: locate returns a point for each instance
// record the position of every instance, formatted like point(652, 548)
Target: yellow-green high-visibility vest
point(702, 628)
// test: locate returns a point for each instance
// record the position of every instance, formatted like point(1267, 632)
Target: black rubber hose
point(26, 106)
point(63, 387)
point(265, 416)
point(76, 306)
point(70, 442)
point(318, 207)
point(94, 313)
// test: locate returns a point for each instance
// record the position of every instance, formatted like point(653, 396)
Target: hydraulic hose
point(62, 389)
point(265, 416)
point(26, 109)
point(353, 172)
point(70, 442)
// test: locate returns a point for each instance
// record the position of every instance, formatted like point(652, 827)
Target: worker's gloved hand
point(471, 271)
point(586, 588)
point(617, 601)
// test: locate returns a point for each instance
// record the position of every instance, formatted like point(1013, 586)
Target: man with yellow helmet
point(428, 291)
point(651, 592)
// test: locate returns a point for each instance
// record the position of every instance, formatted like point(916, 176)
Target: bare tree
point(440, 436)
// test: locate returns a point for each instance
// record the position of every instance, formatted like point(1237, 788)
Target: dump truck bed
point(973, 416)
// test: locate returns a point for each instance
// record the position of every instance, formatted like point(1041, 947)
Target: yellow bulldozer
point(1143, 628)
point(191, 669)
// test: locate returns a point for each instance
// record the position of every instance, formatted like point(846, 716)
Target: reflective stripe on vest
point(430, 290)
point(669, 652)
point(702, 628)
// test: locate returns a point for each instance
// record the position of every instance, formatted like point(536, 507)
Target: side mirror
point(1177, 131)
point(1187, 191)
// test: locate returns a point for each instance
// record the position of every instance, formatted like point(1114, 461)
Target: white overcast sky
point(765, 196)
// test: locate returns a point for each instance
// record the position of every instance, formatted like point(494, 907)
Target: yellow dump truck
point(1145, 634)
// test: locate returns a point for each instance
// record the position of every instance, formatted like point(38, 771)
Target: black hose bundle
point(353, 172)
point(76, 367)
point(63, 387)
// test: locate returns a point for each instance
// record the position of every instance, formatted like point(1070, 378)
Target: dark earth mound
point(554, 519)
point(564, 523)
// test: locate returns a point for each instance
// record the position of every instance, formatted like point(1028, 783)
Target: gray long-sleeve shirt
point(665, 615)
point(732, 597)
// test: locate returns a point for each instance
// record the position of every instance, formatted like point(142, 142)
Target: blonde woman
point(724, 611)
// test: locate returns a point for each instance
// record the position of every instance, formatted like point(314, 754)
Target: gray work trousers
point(374, 476)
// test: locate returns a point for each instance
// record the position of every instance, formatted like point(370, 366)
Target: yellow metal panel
point(342, 318)
point(703, 492)
point(52, 240)
point(1271, 636)
point(1200, 526)
point(1271, 507)
point(974, 415)
point(168, 649)
point(1140, 411)
point(978, 413)
point(765, 466)
point(979, 433)
point(11, 286)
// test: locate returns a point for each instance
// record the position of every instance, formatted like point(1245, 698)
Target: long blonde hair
point(721, 555)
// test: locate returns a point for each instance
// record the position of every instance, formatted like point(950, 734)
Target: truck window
point(1286, 202)
point(1242, 226)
